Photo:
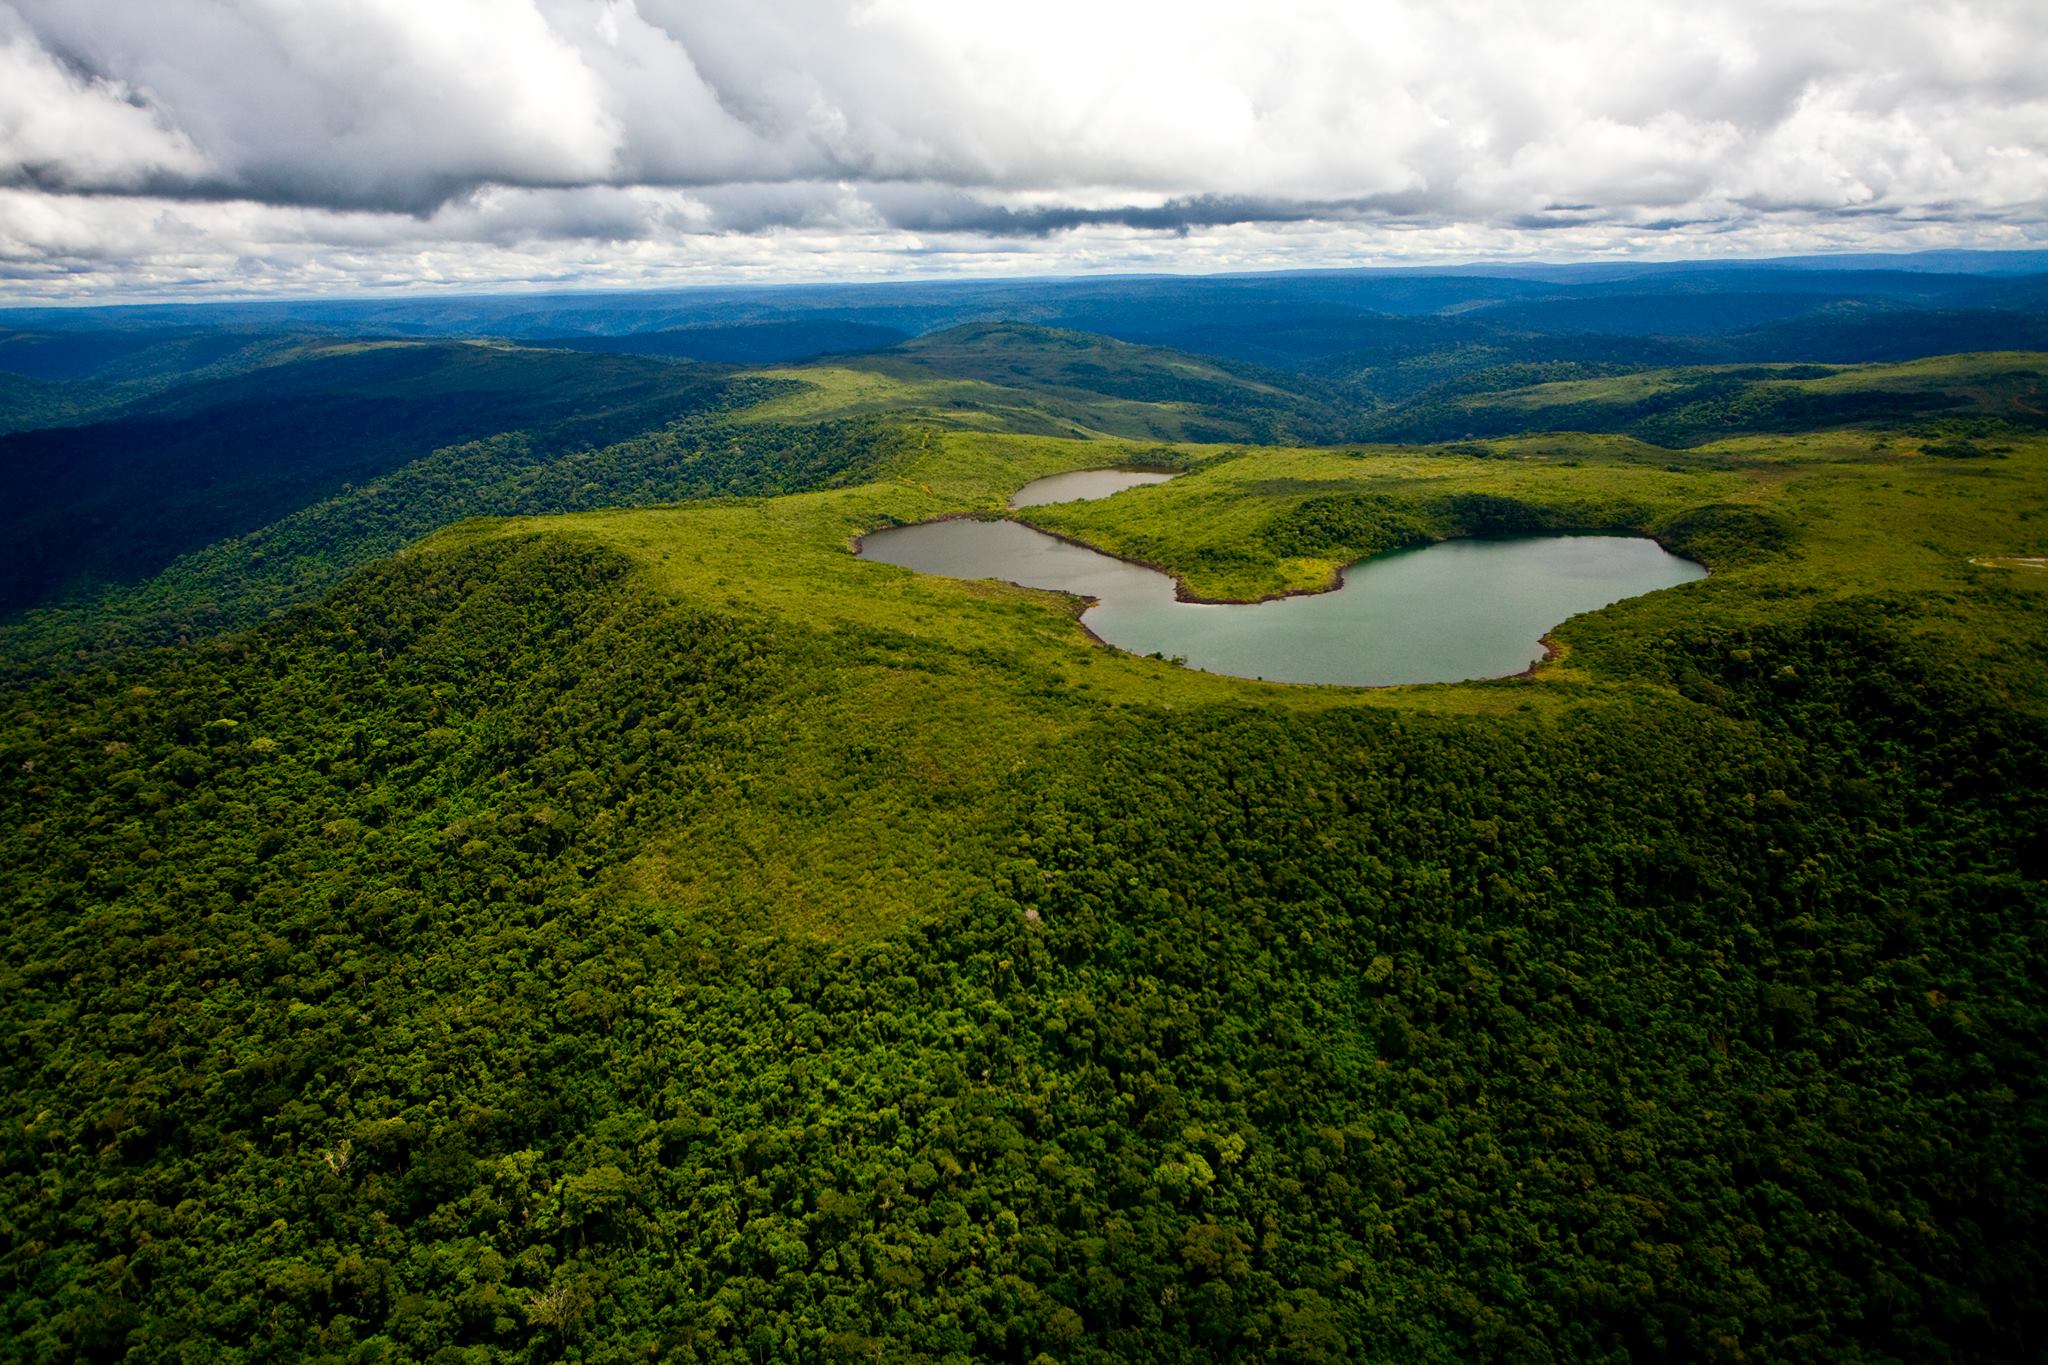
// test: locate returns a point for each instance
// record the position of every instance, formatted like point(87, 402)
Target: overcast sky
point(204, 148)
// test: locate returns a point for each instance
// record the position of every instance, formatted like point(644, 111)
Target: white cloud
point(62, 130)
point(622, 137)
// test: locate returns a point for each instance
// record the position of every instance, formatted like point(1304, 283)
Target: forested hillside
point(241, 579)
point(1688, 407)
point(1101, 386)
point(116, 500)
point(65, 373)
point(490, 874)
point(1553, 1037)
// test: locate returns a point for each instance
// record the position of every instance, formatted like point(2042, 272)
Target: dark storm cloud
point(922, 210)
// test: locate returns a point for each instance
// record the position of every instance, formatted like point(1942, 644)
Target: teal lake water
point(1456, 610)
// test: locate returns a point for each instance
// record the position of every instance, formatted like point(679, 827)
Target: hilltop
point(1046, 381)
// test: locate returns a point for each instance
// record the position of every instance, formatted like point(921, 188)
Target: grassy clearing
point(1222, 528)
point(930, 698)
point(945, 690)
point(792, 559)
point(1852, 513)
point(931, 695)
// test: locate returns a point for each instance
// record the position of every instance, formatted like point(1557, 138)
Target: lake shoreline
point(1181, 591)
point(1080, 604)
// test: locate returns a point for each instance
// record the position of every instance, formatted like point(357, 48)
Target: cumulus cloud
point(62, 129)
point(241, 138)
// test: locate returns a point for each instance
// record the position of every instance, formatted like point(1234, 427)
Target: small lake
point(1083, 485)
point(1456, 610)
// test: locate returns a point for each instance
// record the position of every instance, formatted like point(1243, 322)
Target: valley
point(522, 886)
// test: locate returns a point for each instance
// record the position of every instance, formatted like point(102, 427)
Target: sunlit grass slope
point(872, 796)
point(935, 692)
point(1783, 522)
point(1837, 514)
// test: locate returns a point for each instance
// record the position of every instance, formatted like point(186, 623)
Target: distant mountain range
point(1380, 333)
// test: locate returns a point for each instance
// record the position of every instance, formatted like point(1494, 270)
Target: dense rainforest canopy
point(612, 931)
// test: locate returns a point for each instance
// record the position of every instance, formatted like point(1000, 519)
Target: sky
point(223, 148)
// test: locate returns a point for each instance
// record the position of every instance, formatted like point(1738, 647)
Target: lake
point(1448, 612)
point(1084, 485)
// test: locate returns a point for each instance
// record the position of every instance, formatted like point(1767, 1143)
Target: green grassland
point(1999, 383)
point(211, 534)
point(654, 932)
point(1694, 405)
point(1789, 528)
point(1818, 519)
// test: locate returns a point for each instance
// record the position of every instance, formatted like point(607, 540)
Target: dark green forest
point(1685, 1001)
point(1713, 1033)
point(117, 500)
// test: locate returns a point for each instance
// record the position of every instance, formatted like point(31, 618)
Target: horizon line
point(1481, 266)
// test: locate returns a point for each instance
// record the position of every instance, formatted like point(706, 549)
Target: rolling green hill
point(116, 500)
point(741, 343)
point(29, 403)
point(1685, 407)
point(1042, 381)
point(548, 898)
point(241, 579)
point(214, 502)
point(661, 933)
point(63, 375)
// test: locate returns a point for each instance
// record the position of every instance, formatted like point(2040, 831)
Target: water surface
point(1448, 612)
point(1084, 485)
